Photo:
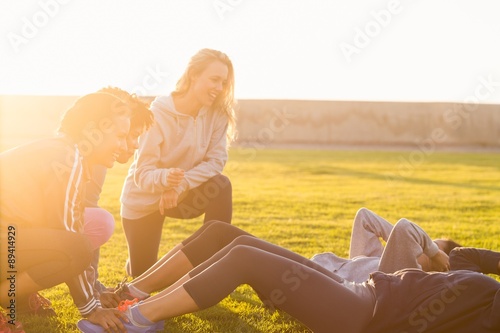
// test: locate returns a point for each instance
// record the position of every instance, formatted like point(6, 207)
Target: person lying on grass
point(407, 246)
point(474, 259)
point(407, 300)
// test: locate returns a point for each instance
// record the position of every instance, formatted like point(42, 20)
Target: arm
point(64, 186)
point(477, 260)
point(93, 187)
point(151, 177)
point(89, 306)
point(213, 162)
point(148, 176)
point(406, 243)
point(81, 287)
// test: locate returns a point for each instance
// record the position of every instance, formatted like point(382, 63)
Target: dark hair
point(91, 110)
point(141, 114)
point(449, 245)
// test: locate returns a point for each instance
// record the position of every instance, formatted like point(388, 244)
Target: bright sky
point(424, 50)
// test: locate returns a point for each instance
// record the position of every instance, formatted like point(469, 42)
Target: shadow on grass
point(35, 324)
point(394, 178)
point(215, 319)
point(227, 317)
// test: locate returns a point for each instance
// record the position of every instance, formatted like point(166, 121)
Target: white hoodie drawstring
point(177, 125)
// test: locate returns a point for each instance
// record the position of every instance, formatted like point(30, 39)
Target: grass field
point(305, 200)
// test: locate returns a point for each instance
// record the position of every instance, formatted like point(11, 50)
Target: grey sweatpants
point(405, 241)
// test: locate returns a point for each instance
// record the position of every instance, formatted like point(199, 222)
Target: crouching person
point(42, 187)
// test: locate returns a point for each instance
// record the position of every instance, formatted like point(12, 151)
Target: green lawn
point(305, 200)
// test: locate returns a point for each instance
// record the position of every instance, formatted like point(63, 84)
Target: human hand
point(440, 262)
point(109, 299)
point(175, 176)
point(168, 200)
point(109, 319)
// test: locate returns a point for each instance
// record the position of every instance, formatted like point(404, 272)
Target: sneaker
point(37, 305)
point(159, 326)
point(126, 304)
point(123, 292)
point(102, 288)
point(6, 327)
point(86, 326)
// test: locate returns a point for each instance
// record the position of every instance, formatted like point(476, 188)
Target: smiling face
point(112, 142)
point(132, 144)
point(208, 84)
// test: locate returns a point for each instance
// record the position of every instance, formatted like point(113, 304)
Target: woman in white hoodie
point(177, 169)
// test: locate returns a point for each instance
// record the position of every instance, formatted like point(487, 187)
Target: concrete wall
point(283, 122)
point(368, 123)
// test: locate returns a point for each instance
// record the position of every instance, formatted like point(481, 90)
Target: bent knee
point(242, 251)
point(403, 223)
point(99, 225)
point(216, 224)
point(363, 211)
point(402, 226)
point(223, 182)
point(245, 240)
point(224, 231)
point(108, 224)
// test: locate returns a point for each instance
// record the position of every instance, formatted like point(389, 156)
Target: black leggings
point(214, 198)
point(209, 239)
point(282, 279)
point(48, 256)
point(212, 238)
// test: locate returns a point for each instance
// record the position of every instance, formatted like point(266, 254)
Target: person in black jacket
point(474, 259)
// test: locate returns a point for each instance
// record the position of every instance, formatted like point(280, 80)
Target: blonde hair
point(225, 102)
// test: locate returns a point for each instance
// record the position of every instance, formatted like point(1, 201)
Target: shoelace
point(37, 301)
point(6, 327)
point(122, 283)
point(125, 304)
point(122, 287)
